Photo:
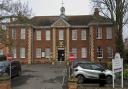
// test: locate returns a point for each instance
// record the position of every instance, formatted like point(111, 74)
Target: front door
point(61, 55)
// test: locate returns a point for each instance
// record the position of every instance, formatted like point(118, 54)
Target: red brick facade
point(68, 23)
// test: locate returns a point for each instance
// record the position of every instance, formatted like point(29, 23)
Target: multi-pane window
point(14, 52)
point(74, 51)
point(47, 34)
point(1, 52)
point(99, 52)
point(84, 53)
point(83, 35)
point(47, 52)
point(110, 52)
point(99, 33)
point(14, 33)
point(74, 34)
point(109, 32)
point(38, 52)
point(38, 35)
point(61, 34)
point(22, 33)
point(22, 52)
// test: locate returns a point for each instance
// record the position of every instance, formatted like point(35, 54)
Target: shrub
point(2, 57)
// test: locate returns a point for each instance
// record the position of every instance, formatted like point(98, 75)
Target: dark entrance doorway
point(61, 56)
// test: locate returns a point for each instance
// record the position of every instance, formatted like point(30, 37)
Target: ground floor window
point(22, 52)
point(38, 52)
point(14, 52)
point(47, 52)
point(1, 52)
point(99, 52)
point(110, 52)
point(83, 52)
point(74, 51)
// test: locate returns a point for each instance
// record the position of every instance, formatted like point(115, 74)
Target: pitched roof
point(72, 20)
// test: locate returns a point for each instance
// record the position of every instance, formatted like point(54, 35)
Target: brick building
point(46, 38)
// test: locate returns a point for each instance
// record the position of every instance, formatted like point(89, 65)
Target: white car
point(91, 71)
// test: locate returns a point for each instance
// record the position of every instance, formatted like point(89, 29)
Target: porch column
point(91, 44)
point(54, 43)
point(67, 44)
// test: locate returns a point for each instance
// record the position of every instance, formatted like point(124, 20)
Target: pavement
point(39, 76)
point(47, 76)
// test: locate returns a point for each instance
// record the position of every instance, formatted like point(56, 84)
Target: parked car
point(88, 70)
point(15, 68)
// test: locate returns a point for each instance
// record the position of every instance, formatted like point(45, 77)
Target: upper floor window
point(74, 34)
point(84, 53)
point(22, 52)
point(74, 51)
point(83, 35)
point(13, 33)
point(99, 52)
point(47, 51)
point(47, 34)
point(109, 32)
point(110, 52)
point(38, 52)
point(99, 33)
point(61, 34)
point(38, 35)
point(22, 33)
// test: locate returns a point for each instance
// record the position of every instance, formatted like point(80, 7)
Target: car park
point(14, 65)
point(88, 70)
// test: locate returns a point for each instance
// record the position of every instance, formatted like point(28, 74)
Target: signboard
point(117, 66)
point(43, 54)
point(71, 57)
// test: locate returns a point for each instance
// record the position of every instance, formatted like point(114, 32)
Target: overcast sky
point(52, 7)
point(72, 7)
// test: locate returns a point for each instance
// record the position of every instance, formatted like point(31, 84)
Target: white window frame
point(14, 52)
point(38, 53)
point(47, 52)
point(99, 33)
point(83, 52)
point(110, 52)
point(109, 32)
point(1, 52)
point(74, 51)
point(22, 52)
point(22, 33)
point(13, 33)
point(74, 34)
point(38, 35)
point(99, 52)
point(83, 34)
point(61, 34)
point(47, 32)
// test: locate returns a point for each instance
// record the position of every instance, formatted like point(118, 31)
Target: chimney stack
point(96, 12)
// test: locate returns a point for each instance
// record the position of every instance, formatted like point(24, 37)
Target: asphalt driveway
point(39, 76)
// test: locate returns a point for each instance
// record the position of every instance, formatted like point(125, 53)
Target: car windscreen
point(97, 67)
point(3, 64)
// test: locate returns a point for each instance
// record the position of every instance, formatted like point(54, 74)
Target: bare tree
point(117, 12)
point(10, 9)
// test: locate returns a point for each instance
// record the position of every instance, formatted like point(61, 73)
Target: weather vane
point(62, 3)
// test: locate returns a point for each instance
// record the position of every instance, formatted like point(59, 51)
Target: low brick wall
point(5, 84)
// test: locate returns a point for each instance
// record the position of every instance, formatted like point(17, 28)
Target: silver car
point(91, 71)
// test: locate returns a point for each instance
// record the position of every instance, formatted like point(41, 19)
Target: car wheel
point(80, 79)
point(109, 79)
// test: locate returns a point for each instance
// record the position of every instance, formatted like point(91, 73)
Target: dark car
point(15, 68)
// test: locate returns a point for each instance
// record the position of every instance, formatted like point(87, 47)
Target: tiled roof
point(72, 20)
